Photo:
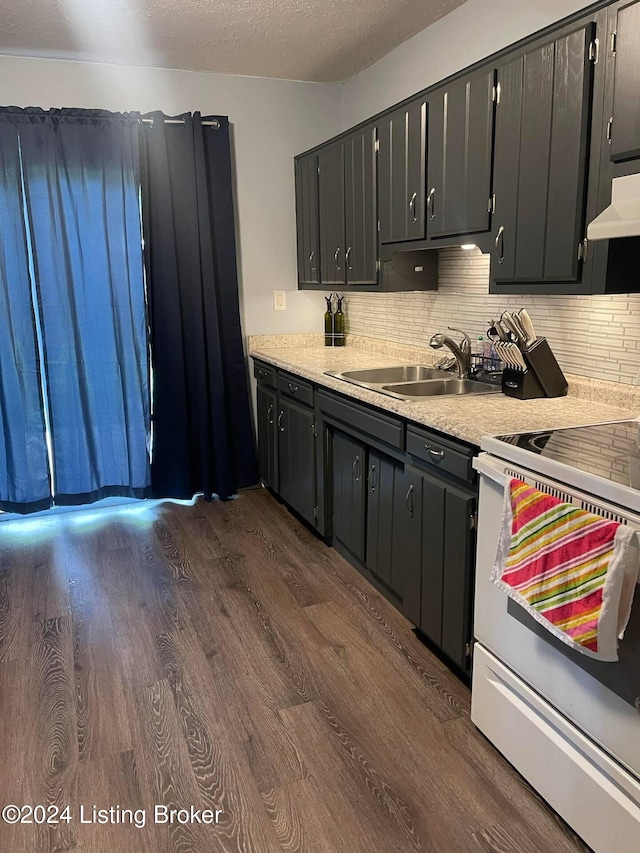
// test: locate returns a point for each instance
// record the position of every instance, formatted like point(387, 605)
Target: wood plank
point(221, 654)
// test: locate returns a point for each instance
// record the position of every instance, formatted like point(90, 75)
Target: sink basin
point(413, 381)
point(382, 375)
point(438, 388)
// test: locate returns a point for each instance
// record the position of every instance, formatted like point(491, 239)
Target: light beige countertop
point(467, 418)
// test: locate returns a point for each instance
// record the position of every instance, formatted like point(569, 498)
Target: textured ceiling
point(323, 40)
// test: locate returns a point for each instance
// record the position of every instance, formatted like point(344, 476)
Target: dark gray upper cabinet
point(460, 150)
point(625, 124)
point(402, 161)
point(361, 219)
point(307, 224)
point(540, 167)
point(348, 211)
point(331, 206)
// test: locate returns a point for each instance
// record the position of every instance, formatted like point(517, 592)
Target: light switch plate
point(279, 300)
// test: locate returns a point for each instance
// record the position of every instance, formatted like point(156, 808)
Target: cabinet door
point(383, 474)
point(540, 166)
point(349, 461)
point(360, 188)
point(433, 548)
point(331, 206)
point(460, 150)
point(268, 437)
point(307, 226)
point(402, 160)
point(458, 579)
point(625, 130)
point(407, 545)
point(297, 458)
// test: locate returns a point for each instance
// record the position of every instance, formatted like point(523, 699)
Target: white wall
point(272, 121)
point(471, 32)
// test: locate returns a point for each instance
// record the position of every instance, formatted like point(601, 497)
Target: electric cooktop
point(609, 451)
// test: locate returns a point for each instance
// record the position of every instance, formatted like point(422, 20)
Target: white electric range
point(569, 724)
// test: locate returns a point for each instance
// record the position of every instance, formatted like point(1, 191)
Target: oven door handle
point(483, 465)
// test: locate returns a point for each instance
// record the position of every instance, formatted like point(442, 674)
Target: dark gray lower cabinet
point(457, 574)
point(297, 457)
point(383, 475)
point(349, 493)
point(268, 436)
point(407, 543)
point(438, 547)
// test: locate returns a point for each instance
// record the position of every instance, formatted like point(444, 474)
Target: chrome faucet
point(461, 352)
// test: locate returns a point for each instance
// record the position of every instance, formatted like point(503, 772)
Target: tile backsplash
point(595, 336)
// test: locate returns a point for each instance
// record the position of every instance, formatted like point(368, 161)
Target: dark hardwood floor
point(220, 656)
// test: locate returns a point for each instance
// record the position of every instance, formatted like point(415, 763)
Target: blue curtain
point(81, 186)
point(24, 469)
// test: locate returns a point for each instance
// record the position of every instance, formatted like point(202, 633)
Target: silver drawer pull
point(435, 454)
point(292, 388)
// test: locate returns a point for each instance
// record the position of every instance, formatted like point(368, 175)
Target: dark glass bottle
point(328, 323)
point(338, 324)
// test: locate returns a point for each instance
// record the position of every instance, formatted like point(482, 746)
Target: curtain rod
point(215, 123)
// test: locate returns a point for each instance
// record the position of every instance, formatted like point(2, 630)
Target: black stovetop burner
point(611, 451)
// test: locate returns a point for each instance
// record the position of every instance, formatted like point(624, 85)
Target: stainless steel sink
point(383, 375)
point(413, 381)
point(438, 387)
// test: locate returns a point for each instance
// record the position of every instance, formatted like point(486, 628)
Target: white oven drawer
point(593, 794)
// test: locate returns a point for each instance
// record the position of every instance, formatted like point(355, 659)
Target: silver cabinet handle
point(412, 207)
point(292, 388)
point(434, 454)
point(312, 255)
point(610, 130)
point(347, 255)
point(500, 244)
point(280, 416)
point(372, 479)
point(430, 203)
point(355, 469)
point(408, 499)
point(269, 413)
point(335, 258)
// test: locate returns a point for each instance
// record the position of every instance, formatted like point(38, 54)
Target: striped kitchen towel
point(573, 571)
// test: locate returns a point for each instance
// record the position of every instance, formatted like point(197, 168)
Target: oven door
point(598, 699)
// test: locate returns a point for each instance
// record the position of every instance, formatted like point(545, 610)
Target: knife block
point(542, 378)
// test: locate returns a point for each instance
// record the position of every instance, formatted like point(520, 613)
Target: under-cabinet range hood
point(622, 217)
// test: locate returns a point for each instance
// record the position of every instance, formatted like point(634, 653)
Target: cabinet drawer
point(439, 453)
point(374, 424)
point(265, 374)
point(296, 388)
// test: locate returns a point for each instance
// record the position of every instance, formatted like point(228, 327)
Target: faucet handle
point(465, 344)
